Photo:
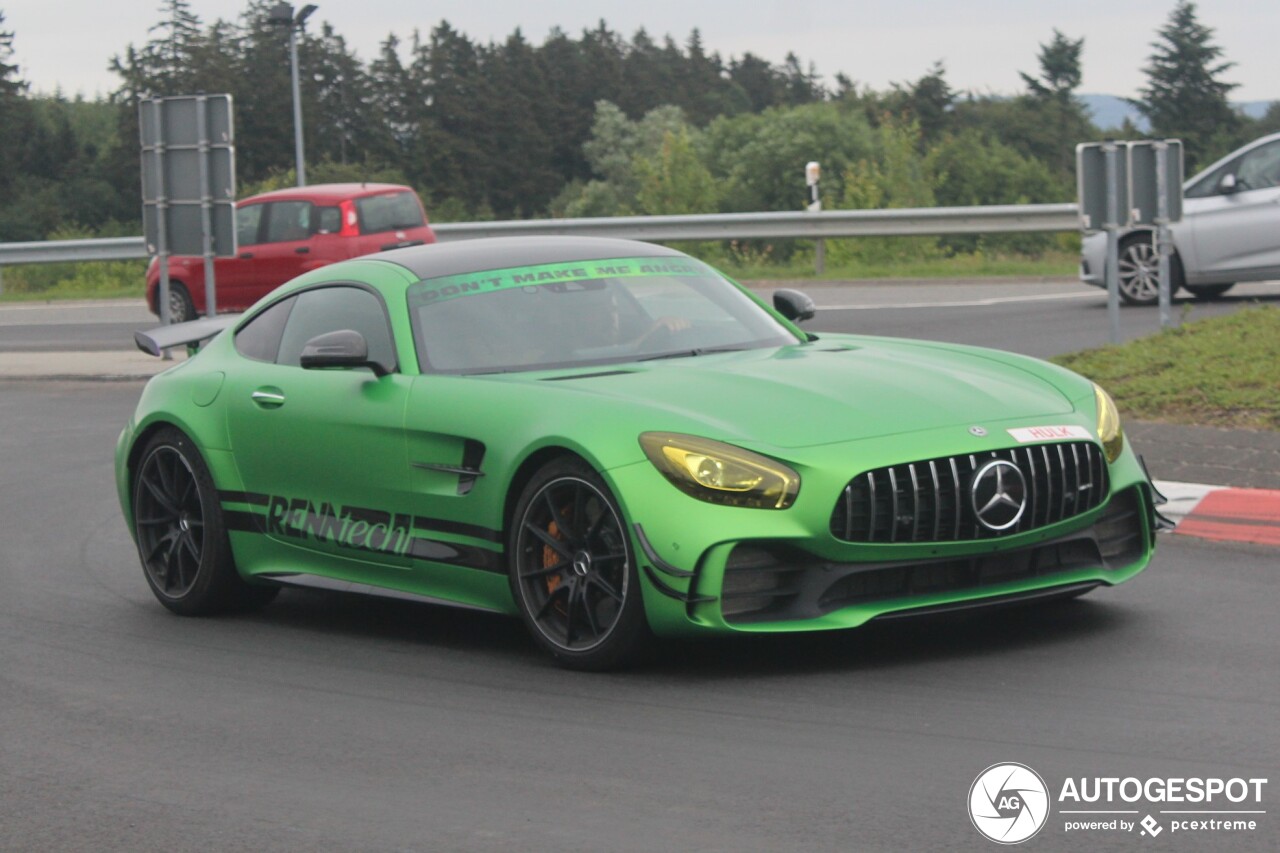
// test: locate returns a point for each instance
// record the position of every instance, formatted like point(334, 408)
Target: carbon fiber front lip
point(1049, 594)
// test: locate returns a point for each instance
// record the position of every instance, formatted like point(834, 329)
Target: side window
point(330, 309)
point(288, 220)
point(1260, 168)
point(328, 220)
point(248, 219)
point(259, 339)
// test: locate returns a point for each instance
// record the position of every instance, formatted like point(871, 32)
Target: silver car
point(1230, 231)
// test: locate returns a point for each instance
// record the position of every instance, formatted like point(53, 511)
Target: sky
point(67, 45)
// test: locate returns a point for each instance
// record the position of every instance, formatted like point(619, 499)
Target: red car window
point(288, 220)
point(248, 218)
point(391, 212)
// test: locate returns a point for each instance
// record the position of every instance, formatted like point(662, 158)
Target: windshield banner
point(562, 274)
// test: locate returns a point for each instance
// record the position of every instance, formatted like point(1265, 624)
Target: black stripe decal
point(454, 554)
point(255, 498)
point(246, 522)
point(459, 527)
point(419, 548)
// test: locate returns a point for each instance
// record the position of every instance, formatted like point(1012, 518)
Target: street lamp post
point(282, 15)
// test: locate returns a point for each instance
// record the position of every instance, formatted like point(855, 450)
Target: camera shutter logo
point(1008, 803)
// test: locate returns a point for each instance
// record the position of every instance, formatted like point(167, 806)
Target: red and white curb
point(1222, 513)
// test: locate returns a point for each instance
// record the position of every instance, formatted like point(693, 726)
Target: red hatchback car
point(285, 233)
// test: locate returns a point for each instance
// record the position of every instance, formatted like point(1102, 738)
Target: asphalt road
point(1035, 318)
point(330, 722)
point(1038, 319)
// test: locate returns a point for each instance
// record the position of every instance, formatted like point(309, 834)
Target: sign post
point(812, 177)
point(1125, 185)
point(188, 185)
point(1155, 173)
point(1112, 224)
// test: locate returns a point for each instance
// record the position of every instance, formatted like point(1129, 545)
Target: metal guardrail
point(73, 251)
point(992, 219)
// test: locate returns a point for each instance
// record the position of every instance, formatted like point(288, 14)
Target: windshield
point(584, 313)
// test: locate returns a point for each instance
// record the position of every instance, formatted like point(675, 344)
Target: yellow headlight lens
point(721, 473)
point(1109, 431)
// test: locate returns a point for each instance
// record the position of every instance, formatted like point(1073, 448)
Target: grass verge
point(1222, 371)
point(91, 280)
point(124, 279)
point(958, 266)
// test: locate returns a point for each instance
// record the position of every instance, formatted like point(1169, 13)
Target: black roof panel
point(493, 253)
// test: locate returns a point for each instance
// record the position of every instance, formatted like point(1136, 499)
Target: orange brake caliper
point(550, 557)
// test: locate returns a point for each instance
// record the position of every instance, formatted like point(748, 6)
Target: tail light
point(350, 219)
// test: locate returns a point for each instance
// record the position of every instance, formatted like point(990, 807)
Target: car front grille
point(932, 500)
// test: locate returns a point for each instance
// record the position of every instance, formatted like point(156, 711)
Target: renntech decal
point(454, 286)
point(349, 527)
point(361, 529)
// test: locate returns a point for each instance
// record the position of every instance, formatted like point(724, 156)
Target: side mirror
point(794, 305)
point(1228, 184)
point(343, 348)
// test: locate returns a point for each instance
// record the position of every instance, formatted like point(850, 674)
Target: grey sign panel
point(188, 167)
point(184, 230)
point(1091, 185)
point(1144, 181)
point(180, 176)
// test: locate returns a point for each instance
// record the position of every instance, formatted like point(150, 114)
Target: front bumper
point(772, 584)
point(709, 568)
point(1093, 259)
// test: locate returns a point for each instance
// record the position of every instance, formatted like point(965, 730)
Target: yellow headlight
point(721, 473)
point(1109, 431)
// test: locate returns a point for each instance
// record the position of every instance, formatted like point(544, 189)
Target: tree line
point(588, 124)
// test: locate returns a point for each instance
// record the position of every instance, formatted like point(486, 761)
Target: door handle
point(268, 398)
point(246, 255)
point(302, 250)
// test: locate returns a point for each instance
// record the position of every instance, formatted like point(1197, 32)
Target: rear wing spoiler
point(190, 334)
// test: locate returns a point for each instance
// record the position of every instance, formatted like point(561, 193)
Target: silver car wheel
point(1139, 272)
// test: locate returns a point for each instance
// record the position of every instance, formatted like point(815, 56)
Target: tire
point(181, 308)
point(1207, 291)
point(1139, 270)
point(182, 539)
point(572, 569)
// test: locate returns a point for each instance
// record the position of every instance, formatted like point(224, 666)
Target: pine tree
point(1059, 69)
point(10, 83)
point(930, 100)
point(1061, 118)
point(1185, 95)
point(170, 53)
point(762, 83)
point(15, 114)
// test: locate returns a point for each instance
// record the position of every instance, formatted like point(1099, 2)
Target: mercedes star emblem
point(999, 495)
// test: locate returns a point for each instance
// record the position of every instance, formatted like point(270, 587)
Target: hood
point(820, 393)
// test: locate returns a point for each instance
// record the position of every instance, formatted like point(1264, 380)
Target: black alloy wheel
point(179, 529)
point(572, 570)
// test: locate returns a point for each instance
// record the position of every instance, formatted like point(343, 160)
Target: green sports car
point(613, 440)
